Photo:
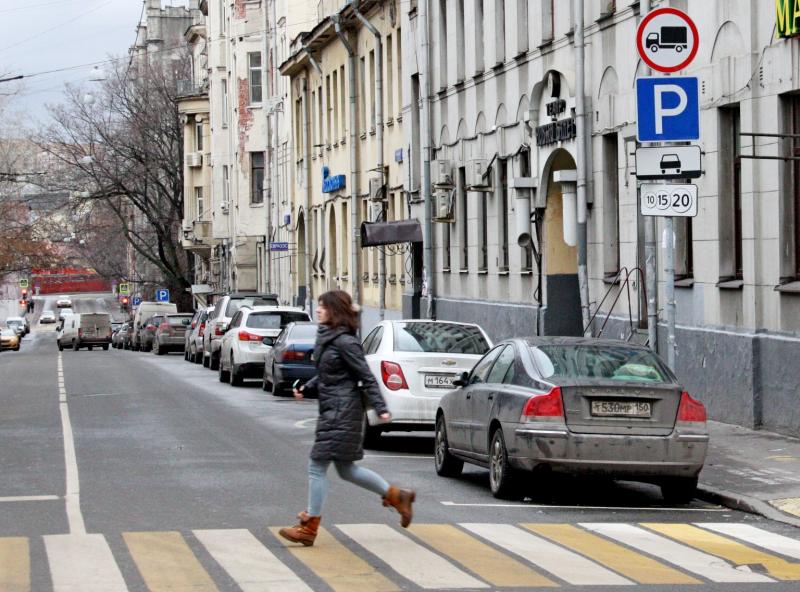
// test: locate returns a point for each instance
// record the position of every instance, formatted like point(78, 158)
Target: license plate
point(439, 381)
point(621, 408)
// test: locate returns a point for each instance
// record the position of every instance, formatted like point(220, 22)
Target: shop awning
point(390, 233)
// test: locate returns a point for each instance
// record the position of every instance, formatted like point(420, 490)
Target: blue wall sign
point(398, 155)
point(331, 183)
point(668, 109)
point(278, 246)
point(137, 300)
point(162, 295)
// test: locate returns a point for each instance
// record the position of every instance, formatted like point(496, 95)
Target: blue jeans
point(349, 471)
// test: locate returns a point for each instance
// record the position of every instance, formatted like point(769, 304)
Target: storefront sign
point(787, 18)
point(558, 131)
point(331, 183)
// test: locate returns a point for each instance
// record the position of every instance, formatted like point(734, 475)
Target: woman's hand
point(385, 416)
point(298, 393)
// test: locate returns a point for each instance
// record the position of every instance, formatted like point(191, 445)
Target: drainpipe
point(354, 206)
point(307, 180)
point(425, 125)
point(379, 129)
point(580, 140)
point(275, 138)
point(650, 251)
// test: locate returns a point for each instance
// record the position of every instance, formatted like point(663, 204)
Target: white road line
point(82, 562)
point(408, 558)
point(567, 565)
point(73, 487)
point(554, 507)
point(248, 562)
point(750, 534)
point(687, 558)
point(30, 498)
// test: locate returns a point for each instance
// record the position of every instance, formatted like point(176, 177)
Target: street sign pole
point(669, 291)
point(651, 279)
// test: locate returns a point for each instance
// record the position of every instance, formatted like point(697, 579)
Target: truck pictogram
point(668, 38)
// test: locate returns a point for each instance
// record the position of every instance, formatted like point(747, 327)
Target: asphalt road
point(176, 480)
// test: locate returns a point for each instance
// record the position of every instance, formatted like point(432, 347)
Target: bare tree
point(122, 148)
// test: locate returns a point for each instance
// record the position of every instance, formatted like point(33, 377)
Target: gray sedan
point(573, 405)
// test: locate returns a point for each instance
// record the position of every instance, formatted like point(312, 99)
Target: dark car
point(119, 336)
point(576, 406)
point(171, 333)
point(147, 332)
point(289, 359)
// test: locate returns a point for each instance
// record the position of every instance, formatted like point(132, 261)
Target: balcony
point(188, 88)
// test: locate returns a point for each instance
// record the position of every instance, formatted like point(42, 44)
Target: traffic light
point(24, 293)
point(125, 301)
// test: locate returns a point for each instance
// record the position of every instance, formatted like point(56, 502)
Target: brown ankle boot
point(305, 532)
point(401, 500)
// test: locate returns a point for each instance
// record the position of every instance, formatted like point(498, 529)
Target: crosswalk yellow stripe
point(167, 563)
point(489, 564)
point(338, 566)
point(640, 568)
point(15, 565)
point(733, 551)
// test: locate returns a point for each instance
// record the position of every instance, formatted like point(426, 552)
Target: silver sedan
point(573, 405)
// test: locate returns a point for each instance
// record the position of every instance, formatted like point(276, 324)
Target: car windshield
point(251, 301)
point(180, 321)
point(14, 323)
point(625, 364)
point(7, 333)
point(303, 333)
point(445, 338)
point(274, 320)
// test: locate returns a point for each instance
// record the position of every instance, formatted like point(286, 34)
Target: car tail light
point(691, 409)
point(202, 330)
point(549, 405)
point(292, 355)
point(219, 330)
point(393, 377)
point(80, 332)
point(247, 336)
point(194, 324)
point(150, 328)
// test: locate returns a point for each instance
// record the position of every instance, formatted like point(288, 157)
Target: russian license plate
point(621, 408)
point(444, 381)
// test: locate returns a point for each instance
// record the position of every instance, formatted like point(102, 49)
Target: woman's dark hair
point(341, 311)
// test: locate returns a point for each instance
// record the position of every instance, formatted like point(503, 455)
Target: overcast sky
point(42, 35)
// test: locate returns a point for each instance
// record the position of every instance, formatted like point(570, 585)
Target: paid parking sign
point(162, 295)
point(667, 109)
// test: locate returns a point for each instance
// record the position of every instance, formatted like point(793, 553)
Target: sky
point(43, 35)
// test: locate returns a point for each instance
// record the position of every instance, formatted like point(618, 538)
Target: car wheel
point(206, 361)
point(185, 355)
point(105, 347)
point(91, 347)
point(500, 473)
point(224, 376)
point(372, 435)
point(16, 348)
point(679, 491)
point(60, 347)
point(214, 362)
point(159, 351)
point(266, 385)
point(235, 376)
point(277, 391)
point(75, 346)
point(198, 357)
point(446, 464)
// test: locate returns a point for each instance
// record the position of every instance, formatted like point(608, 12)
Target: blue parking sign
point(162, 295)
point(668, 109)
point(137, 300)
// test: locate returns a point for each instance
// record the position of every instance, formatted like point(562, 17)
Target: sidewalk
point(754, 471)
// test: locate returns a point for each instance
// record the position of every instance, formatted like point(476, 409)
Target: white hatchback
point(415, 363)
point(243, 351)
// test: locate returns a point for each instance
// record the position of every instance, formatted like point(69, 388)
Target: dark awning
point(390, 233)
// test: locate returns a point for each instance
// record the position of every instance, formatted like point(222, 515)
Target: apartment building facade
point(502, 102)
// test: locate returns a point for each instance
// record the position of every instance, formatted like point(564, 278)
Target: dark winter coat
point(340, 366)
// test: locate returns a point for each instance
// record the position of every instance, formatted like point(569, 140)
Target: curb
point(744, 503)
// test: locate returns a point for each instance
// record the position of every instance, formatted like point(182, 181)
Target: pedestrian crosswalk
point(383, 558)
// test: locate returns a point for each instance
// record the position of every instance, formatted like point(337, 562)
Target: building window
point(730, 195)
point(224, 103)
point(372, 110)
point(198, 135)
point(226, 187)
point(320, 121)
point(328, 110)
point(222, 17)
point(363, 93)
point(502, 213)
point(548, 21)
point(500, 31)
point(525, 171)
point(345, 240)
point(446, 246)
point(399, 71)
point(460, 36)
point(255, 76)
point(335, 130)
point(342, 95)
point(684, 252)
point(610, 205)
point(298, 128)
point(199, 204)
point(462, 218)
point(256, 177)
point(442, 44)
point(313, 116)
point(483, 226)
point(389, 78)
point(478, 45)
point(791, 268)
point(522, 26)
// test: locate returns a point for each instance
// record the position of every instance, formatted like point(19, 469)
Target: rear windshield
point(625, 364)
point(274, 320)
point(445, 338)
point(251, 301)
point(180, 321)
point(304, 332)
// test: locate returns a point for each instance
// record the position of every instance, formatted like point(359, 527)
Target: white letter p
point(660, 111)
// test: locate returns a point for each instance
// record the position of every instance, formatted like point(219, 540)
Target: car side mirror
point(462, 380)
point(270, 341)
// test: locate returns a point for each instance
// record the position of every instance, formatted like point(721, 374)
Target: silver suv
point(217, 323)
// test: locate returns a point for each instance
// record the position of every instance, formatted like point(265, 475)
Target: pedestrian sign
point(124, 289)
point(668, 109)
point(667, 40)
point(162, 295)
point(23, 283)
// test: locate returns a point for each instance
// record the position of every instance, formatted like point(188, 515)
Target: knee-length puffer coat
point(340, 366)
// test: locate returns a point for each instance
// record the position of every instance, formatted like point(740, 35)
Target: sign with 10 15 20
point(668, 200)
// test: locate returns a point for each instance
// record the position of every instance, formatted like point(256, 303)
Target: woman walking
point(340, 367)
